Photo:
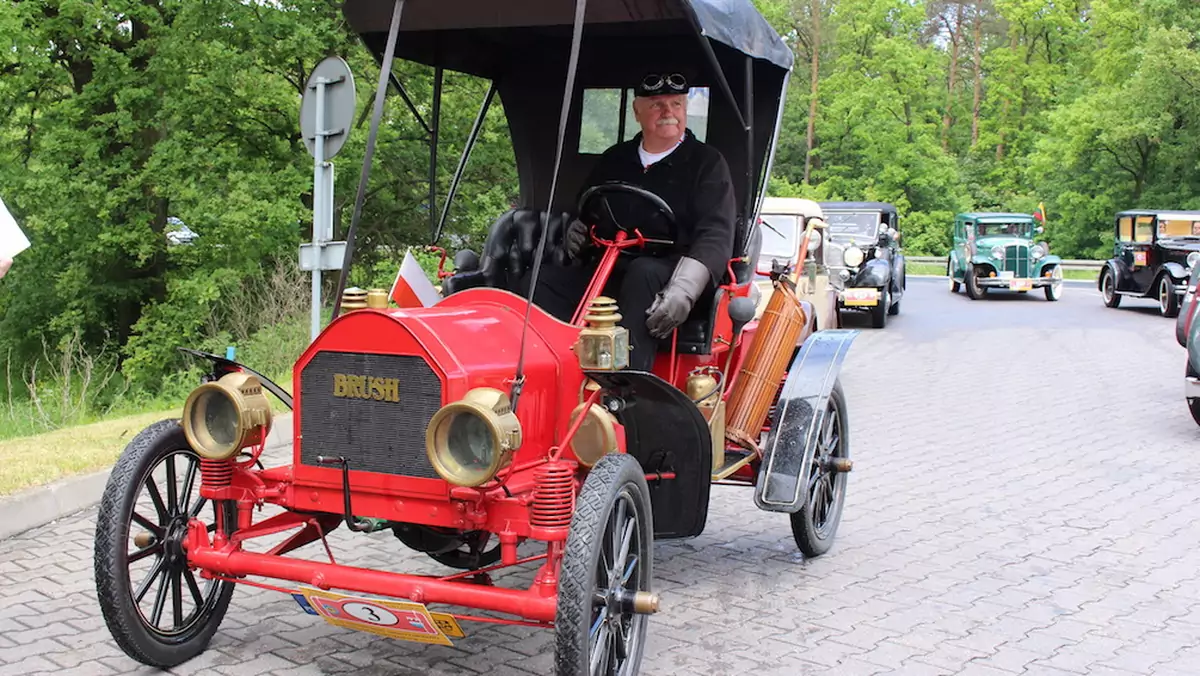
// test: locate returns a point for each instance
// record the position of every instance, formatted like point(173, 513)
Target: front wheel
point(1054, 291)
point(1193, 403)
point(974, 291)
point(954, 285)
point(879, 313)
point(158, 610)
point(606, 573)
point(1168, 302)
point(816, 523)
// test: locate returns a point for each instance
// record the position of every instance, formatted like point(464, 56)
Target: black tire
point(160, 446)
point(1108, 289)
point(1193, 404)
point(1168, 302)
point(974, 291)
point(815, 524)
point(614, 498)
point(1054, 291)
point(954, 284)
point(879, 313)
point(894, 309)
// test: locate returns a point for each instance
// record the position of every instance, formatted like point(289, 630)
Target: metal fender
point(875, 273)
point(798, 416)
point(1176, 270)
point(1117, 272)
point(665, 431)
point(222, 366)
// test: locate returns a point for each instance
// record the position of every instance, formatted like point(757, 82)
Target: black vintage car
point(862, 253)
point(1153, 255)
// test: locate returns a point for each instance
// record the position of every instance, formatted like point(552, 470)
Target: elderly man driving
point(655, 292)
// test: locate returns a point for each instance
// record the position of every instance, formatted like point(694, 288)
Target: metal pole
point(318, 207)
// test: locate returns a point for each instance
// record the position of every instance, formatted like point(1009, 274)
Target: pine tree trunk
point(978, 59)
point(955, 40)
point(813, 89)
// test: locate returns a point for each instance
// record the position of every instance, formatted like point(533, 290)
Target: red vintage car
point(482, 423)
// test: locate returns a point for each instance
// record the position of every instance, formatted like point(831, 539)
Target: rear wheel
point(1108, 289)
point(1168, 302)
point(158, 610)
point(816, 523)
point(607, 562)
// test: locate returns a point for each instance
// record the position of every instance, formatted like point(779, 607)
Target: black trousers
point(634, 283)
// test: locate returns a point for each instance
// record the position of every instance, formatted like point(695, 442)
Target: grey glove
point(575, 238)
point(672, 305)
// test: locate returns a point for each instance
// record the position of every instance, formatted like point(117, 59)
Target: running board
point(735, 459)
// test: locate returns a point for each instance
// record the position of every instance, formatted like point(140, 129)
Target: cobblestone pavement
point(1025, 500)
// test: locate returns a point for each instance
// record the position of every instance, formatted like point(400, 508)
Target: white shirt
point(649, 158)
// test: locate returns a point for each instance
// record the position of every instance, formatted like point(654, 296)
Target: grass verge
point(44, 458)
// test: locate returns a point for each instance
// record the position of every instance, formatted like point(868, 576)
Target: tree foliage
point(118, 117)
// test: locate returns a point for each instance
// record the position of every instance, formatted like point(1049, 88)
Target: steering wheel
point(604, 209)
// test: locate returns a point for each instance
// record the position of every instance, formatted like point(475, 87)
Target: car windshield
point(1178, 225)
point(1001, 228)
point(852, 224)
point(780, 235)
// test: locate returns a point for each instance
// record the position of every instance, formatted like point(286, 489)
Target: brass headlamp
point(470, 440)
point(602, 345)
point(223, 417)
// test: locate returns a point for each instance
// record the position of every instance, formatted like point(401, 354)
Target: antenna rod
point(568, 91)
point(376, 116)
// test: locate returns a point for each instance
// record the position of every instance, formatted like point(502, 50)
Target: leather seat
point(509, 250)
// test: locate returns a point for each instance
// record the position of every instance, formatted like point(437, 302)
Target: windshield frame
point(832, 218)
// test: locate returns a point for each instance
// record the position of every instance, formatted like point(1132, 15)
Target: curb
point(41, 505)
point(1076, 282)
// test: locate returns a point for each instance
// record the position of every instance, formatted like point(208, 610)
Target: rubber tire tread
point(879, 313)
point(1193, 404)
point(1172, 309)
point(804, 536)
point(1116, 299)
point(116, 604)
point(592, 507)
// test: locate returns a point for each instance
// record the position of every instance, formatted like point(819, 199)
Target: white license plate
point(1007, 274)
point(862, 297)
point(1020, 284)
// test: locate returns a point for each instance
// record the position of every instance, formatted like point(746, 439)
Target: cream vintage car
point(782, 221)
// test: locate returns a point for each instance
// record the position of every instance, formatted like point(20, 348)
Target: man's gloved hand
point(672, 305)
point(576, 238)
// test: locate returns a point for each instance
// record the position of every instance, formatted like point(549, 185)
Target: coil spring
point(215, 473)
point(554, 495)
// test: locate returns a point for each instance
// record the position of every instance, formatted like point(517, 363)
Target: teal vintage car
point(997, 251)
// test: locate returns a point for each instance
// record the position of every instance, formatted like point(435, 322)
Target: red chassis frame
point(505, 506)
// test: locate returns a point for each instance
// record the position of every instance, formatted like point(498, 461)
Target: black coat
point(694, 180)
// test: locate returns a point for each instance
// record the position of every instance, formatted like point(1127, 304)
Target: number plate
point(862, 296)
point(1139, 257)
point(403, 620)
point(1020, 284)
point(1006, 274)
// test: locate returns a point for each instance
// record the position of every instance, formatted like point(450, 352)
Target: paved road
point(1025, 500)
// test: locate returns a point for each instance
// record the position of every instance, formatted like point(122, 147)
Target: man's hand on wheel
point(576, 238)
point(672, 305)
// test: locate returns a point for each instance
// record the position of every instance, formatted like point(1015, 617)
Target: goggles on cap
point(675, 82)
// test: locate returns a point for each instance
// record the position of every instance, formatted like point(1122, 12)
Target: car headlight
point(1193, 258)
point(596, 436)
point(223, 417)
point(1037, 251)
point(853, 256)
point(997, 252)
point(469, 441)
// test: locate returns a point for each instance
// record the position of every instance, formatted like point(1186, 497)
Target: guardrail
point(1093, 266)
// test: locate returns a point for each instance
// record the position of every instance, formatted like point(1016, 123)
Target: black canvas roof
point(524, 47)
point(858, 206)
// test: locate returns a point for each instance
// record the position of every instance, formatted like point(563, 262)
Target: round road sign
point(339, 106)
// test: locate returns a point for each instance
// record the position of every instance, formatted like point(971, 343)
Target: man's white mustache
point(668, 120)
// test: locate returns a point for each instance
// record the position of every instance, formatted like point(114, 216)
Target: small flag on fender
point(412, 287)
point(1040, 213)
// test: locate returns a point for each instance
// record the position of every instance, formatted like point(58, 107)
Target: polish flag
point(412, 287)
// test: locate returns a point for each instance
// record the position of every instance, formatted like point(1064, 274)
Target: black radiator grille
point(367, 425)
